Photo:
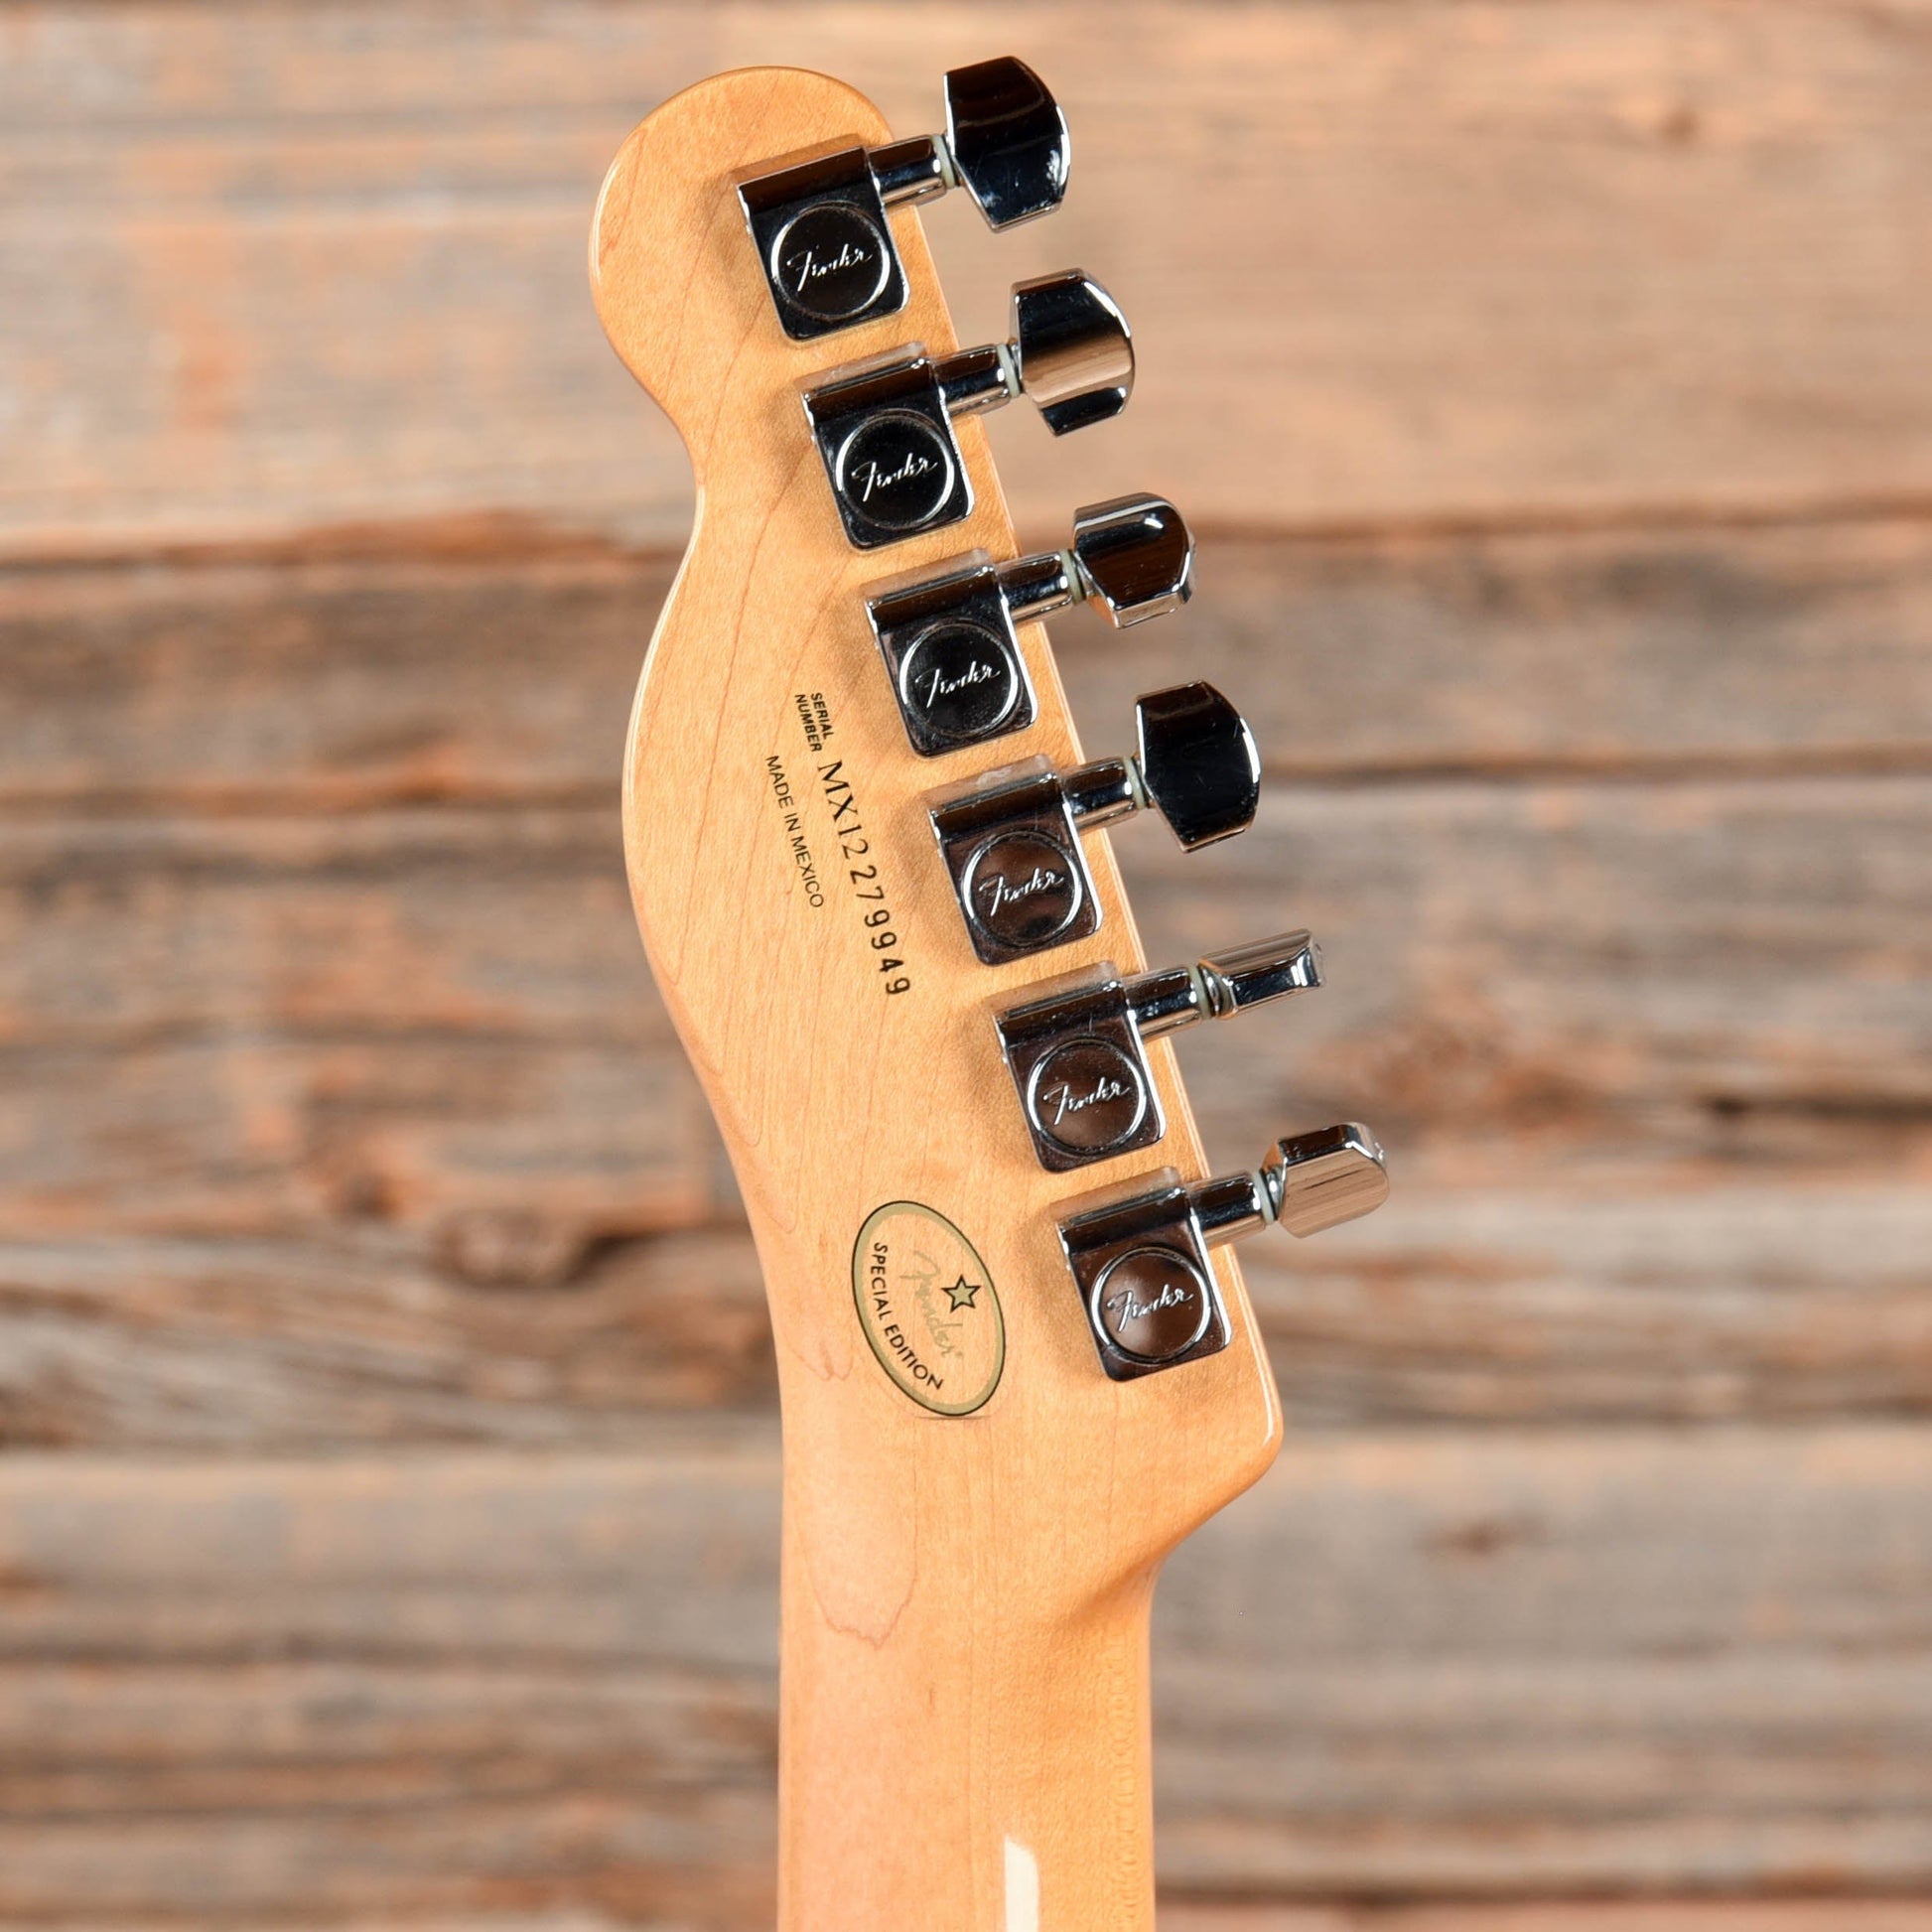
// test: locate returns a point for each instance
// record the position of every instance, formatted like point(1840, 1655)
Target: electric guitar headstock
point(1016, 1358)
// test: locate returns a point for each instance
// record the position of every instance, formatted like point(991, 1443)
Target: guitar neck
point(1007, 1791)
point(958, 1748)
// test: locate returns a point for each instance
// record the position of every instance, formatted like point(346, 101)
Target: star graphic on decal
point(962, 1292)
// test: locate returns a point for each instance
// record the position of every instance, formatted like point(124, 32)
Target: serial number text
point(854, 848)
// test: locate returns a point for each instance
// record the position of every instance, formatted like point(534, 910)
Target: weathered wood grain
point(1183, 1915)
point(268, 268)
point(335, 682)
point(1796, 647)
point(1532, 1663)
point(485, 924)
point(324, 685)
point(478, 1144)
point(1601, 974)
point(1747, 1297)
point(236, 1023)
point(255, 1024)
point(1552, 1305)
point(273, 1346)
point(1651, 1064)
point(1701, 1572)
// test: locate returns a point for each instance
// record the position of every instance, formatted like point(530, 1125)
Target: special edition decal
point(928, 1307)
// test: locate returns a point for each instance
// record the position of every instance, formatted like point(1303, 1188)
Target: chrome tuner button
point(884, 428)
point(1072, 351)
point(1077, 1052)
point(819, 224)
point(1198, 766)
point(1319, 1180)
point(1138, 1255)
point(1008, 140)
point(1134, 557)
point(949, 637)
point(1012, 840)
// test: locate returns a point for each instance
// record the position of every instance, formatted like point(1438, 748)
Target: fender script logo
point(997, 892)
point(1129, 1307)
point(808, 268)
point(939, 685)
point(871, 476)
point(1066, 1100)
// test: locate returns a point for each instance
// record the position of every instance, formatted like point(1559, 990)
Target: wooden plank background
point(386, 1505)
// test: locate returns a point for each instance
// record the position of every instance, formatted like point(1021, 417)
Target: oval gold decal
point(928, 1309)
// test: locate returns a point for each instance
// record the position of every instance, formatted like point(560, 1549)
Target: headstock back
point(770, 793)
point(973, 1473)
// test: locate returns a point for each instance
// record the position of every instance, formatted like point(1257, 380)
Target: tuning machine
point(1012, 842)
point(820, 223)
point(885, 427)
point(1079, 1056)
point(1140, 1256)
point(949, 641)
